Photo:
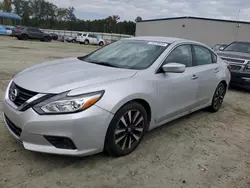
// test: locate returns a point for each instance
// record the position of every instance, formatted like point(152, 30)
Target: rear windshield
point(79, 34)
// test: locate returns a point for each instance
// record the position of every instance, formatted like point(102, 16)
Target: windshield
point(243, 47)
point(79, 34)
point(128, 54)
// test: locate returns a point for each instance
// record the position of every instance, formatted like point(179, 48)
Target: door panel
point(207, 82)
point(176, 93)
point(92, 39)
point(31, 33)
point(207, 71)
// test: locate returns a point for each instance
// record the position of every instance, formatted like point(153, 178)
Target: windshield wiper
point(103, 63)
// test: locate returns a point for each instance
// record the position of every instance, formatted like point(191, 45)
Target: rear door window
point(203, 56)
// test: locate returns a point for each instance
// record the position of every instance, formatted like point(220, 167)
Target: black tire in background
point(24, 37)
point(86, 42)
point(126, 129)
point(101, 43)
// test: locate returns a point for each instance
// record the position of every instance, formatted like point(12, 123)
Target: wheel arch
point(225, 83)
point(141, 100)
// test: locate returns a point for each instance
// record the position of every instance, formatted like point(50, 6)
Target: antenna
point(237, 26)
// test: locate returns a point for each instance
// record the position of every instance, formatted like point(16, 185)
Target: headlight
point(247, 68)
point(62, 104)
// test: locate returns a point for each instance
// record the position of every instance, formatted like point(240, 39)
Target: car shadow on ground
point(239, 89)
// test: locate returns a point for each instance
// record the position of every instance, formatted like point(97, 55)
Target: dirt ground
point(201, 150)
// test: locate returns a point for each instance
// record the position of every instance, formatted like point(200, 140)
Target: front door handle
point(194, 77)
point(216, 70)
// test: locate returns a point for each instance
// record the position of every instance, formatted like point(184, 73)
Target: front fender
point(119, 92)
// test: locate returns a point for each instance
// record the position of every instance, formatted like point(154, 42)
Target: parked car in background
point(71, 39)
point(61, 38)
point(219, 47)
point(237, 54)
point(54, 36)
point(16, 31)
point(108, 99)
point(84, 38)
point(25, 33)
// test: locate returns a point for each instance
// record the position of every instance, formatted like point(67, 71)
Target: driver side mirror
point(221, 48)
point(174, 68)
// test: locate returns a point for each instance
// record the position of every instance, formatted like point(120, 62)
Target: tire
point(101, 43)
point(73, 41)
point(218, 97)
point(121, 139)
point(86, 42)
point(24, 37)
point(46, 39)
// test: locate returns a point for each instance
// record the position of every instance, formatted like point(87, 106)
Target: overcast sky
point(150, 9)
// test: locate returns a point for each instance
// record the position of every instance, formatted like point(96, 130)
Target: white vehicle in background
point(84, 38)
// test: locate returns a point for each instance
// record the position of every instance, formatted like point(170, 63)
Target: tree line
point(44, 14)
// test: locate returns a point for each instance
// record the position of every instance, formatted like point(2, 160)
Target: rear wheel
point(101, 43)
point(218, 97)
point(126, 130)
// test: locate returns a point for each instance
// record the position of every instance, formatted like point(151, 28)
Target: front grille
point(235, 67)
point(61, 142)
point(22, 95)
point(16, 130)
point(233, 60)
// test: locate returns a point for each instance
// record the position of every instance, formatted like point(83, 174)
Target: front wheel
point(218, 97)
point(126, 130)
point(86, 42)
point(24, 37)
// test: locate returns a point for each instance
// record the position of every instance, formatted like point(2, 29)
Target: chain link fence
point(108, 37)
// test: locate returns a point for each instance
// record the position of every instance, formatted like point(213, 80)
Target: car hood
point(237, 55)
point(67, 74)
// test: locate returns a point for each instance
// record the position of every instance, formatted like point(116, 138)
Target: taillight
point(228, 66)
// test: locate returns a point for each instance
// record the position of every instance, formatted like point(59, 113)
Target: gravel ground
point(201, 150)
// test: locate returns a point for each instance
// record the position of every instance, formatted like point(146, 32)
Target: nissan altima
point(107, 100)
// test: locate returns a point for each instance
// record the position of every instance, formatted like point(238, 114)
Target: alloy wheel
point(129, 130)
point(219, 96)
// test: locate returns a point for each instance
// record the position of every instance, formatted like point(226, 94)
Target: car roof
point(162, 39)
point(243, 41)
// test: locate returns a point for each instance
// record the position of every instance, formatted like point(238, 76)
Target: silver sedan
point(107, 100)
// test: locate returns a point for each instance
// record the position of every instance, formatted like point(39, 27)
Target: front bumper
point(86, 129)
point(240, 79)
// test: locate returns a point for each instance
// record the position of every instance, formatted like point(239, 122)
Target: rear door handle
point(216, 70)
point(194, 77)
